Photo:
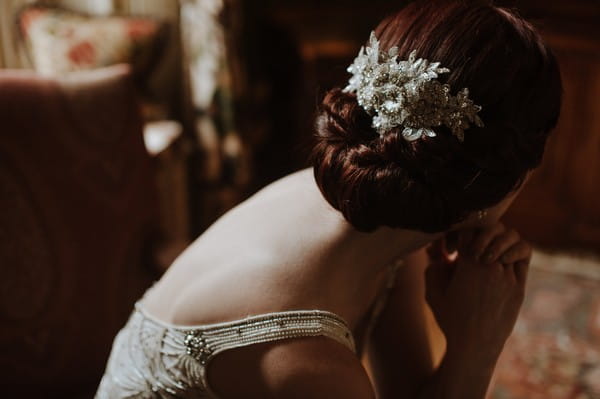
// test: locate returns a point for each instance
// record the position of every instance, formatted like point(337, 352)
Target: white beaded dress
point(154, 359)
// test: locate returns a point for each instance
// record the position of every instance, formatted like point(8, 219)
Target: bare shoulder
point(308, 367)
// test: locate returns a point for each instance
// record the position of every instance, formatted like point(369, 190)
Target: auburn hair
point(433, 183)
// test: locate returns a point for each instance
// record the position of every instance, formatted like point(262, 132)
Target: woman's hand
point(498, 244)
point(477, 296)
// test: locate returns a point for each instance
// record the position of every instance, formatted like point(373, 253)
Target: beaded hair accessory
point(405, 93)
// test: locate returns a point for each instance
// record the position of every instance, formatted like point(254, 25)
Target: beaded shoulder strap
point(207, 342)
point(204, 342)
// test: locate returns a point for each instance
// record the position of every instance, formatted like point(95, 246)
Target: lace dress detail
point(154, 359)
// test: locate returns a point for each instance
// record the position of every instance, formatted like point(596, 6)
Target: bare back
point(275, 251)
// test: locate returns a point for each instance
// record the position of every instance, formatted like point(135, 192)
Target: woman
point(282, 295)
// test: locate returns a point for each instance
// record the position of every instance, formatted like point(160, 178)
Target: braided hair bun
point(435, 182)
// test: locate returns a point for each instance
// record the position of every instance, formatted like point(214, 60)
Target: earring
point(481, 214)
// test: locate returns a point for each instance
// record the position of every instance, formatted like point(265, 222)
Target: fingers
point(435, 282)
point(436, 251)
point(465, 240)
point(519, 251)
point(483, 239)
point(521, 269)
point(499, 245)
point(437, 278)
point(452, 239)
point(431, 283)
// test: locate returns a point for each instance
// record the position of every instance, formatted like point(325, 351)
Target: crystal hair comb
point(405, 93)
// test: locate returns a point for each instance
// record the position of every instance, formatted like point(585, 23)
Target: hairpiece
point(405, 93)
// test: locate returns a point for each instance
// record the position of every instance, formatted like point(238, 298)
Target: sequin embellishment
point(407, 94)
point(196, 346)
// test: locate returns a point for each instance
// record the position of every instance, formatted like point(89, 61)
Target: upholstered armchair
point(77, 216)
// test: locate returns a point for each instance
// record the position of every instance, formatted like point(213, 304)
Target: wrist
point(472, 361)
point(461, 376)
point(474, 348)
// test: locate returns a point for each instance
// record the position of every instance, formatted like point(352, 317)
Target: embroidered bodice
point(151, 358)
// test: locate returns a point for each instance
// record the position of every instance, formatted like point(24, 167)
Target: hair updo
point(433, 183)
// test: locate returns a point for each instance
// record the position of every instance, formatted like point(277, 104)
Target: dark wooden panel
point(560, 207)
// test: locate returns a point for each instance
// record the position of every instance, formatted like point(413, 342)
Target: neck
point(361, 259)
point(374, 250)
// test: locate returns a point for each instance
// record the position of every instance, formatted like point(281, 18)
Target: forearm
point(459, 376)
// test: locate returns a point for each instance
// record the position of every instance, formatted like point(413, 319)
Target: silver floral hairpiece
point(405, 93)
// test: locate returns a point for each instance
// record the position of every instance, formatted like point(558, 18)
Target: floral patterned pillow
point(59, 41)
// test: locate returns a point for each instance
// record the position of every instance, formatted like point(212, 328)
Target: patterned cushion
point(60, 41)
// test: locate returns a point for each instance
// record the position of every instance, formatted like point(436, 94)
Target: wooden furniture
point(170, 154)
point(78, 211)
